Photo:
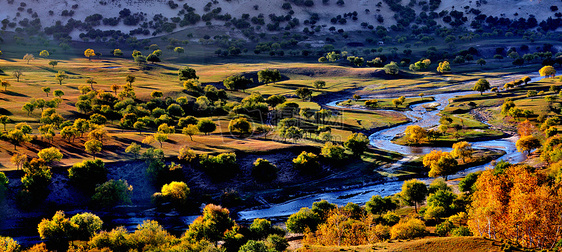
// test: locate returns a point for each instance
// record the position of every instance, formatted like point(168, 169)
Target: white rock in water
point(431, 105)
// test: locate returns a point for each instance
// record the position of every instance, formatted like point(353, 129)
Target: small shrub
point(408, 229)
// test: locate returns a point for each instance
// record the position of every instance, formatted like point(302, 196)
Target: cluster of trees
point(328, 224)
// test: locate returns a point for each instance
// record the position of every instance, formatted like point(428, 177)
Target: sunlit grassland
point(387, 104)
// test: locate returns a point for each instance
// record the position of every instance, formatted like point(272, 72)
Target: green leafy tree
point(319, 84)
point(334, 152)
point(302, 220)
point(58, 230)
point(50, 154)
point(264, 170)
point(93, 146)
point(88, 173)
point(17, 137)
point(206, 126)
point(111, 193)
point(413, 192)
point(117, 53)
point(481, 86)
point(60, 77)
point(87, 225)
point(190, 130)
point(304, 93)
point(53, 63)
point(481, 62)
point(380, 205)
point(212, 225)
point(236, 82)
point(175, 192)
point(391, 68)
point(4, 119)
point(268, 76)
point(357, 143)
point(134, 149)
point(306, 162)
point(187, 73)
point(46, 90)
point(240, 125)
point(179, 50)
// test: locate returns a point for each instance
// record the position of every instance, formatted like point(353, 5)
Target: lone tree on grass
point(268, 76)
point(28, 57)
point(444, 67)
point(17, 74)
point(190, 130)
point(61, 76)
point(46, 90)
point(527, 144)
point(206, 126)
point(89, 53)
point(117, 53)
point(5, 85)
point(53, 63)
point(93, 146)
point(179, 50)
point(319, 84)
point(547, 71)
point(187, 73)
point(304, 93)
point(481, 62)
point(236, 82)
point(391, 68)
point(526, 79)
point(44, 54)
point(481, 86)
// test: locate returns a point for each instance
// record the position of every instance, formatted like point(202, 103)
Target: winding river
point(382, 140)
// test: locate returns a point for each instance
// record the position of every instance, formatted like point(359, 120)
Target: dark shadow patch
point(12, 93)
point(4, 111)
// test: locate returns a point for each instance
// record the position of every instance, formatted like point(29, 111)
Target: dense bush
point(88, 173)
point(408, 229)
point(264, 170)
point(306, 162)
point(175, 193)
point(303, 219)
point(112, 193)
point(221, 166)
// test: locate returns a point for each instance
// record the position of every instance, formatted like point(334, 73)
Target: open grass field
point(437, 244)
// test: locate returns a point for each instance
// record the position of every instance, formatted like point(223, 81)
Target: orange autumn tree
point(525, 128)
point(514, 203)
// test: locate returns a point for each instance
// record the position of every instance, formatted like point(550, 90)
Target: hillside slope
point(371, 12)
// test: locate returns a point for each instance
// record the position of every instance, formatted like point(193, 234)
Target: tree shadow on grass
point(4, 111)
point(12, 93)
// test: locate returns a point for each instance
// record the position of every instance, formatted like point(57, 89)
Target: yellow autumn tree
point(415, 133)
point(514, 203)
point(462, 150)
point(89, 53)
point(547, 71)
point(440, 164)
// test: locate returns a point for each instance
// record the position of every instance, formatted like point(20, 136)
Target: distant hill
point(148, 18)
